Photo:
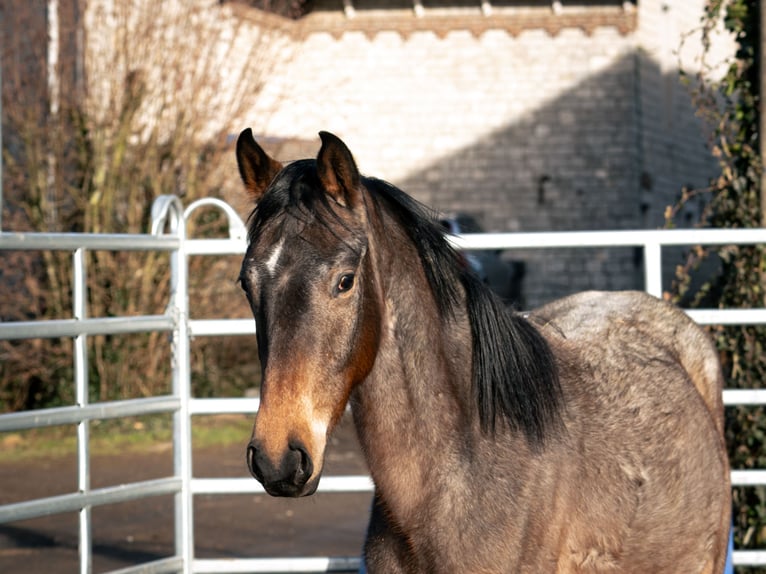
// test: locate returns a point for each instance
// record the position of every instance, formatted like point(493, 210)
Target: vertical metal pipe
point(182, 449)
point(79, 304)
point(653, 269)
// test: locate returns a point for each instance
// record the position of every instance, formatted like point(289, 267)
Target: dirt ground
point(234, 526)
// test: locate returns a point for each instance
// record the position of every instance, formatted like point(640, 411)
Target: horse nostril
point(287, 476)
point(305, 466)
point(252, 465)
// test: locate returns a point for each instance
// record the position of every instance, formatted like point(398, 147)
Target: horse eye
point(346, 283)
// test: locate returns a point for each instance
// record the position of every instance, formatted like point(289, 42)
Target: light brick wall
point(528, 120)
point(405, 105)
point(531, 131)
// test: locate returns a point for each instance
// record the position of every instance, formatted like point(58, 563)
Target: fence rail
point(169, 234)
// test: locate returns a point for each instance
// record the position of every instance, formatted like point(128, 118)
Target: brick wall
point(531, 130)
point(529, 120)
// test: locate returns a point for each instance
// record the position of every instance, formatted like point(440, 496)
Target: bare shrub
point(144, 100)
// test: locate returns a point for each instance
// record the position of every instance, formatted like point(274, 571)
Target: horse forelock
point(296, 196)
point(293, 191)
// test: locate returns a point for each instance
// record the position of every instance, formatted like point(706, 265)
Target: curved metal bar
point(237, 228)
point(168, 210)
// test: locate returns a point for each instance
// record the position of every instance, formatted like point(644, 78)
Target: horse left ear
point(338, 172)
point(256, 167)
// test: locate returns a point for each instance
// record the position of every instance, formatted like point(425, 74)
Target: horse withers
point(583, 437)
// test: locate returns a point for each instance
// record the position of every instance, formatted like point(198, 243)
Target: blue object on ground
point(729, 568)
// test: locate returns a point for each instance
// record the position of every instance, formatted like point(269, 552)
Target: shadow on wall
point(610, 153)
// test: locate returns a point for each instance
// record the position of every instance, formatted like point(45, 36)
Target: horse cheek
point(364, 343)
point(368, 341)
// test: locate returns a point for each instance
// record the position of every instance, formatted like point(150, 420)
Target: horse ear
point(256, 168)
point(338, 172)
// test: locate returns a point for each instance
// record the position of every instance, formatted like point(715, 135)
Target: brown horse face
point(308, 278)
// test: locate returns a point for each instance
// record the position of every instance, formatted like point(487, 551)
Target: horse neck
point(415, 406)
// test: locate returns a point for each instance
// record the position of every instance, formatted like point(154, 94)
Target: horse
point(584, 436)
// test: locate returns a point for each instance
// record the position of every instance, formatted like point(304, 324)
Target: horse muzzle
point(289, 476)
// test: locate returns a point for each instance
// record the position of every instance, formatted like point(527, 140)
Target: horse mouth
point(287, 489)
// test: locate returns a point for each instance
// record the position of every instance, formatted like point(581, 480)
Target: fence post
point(653, 268)
point(167, 210)
point(80, 311)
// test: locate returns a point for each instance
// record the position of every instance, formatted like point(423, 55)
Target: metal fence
point(168, 234)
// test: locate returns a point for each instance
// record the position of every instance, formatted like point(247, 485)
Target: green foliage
point(731, 108)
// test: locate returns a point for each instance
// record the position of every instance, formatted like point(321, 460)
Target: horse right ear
point(256, 168)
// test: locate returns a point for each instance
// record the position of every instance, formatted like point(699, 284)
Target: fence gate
point(168, 234)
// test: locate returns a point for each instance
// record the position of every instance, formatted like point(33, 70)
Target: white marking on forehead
point(271, 262)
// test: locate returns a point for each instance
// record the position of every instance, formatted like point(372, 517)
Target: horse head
point(309, 279)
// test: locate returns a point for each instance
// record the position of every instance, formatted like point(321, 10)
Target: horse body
point(654, 379)
point(586, 438)
point(617, 491)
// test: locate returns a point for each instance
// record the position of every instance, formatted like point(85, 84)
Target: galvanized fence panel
point(169, 234)
point(167, 214)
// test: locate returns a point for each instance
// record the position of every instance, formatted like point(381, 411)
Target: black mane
point(515, 378)
point(296, 189)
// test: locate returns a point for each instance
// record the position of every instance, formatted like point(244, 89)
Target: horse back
point(594, 316)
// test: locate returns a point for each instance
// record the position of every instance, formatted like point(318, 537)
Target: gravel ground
point(231, 526)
